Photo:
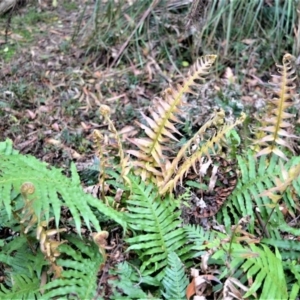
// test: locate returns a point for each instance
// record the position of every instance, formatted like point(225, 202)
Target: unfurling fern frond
point(52, 189)
point(156, 226)
point(175, 280)
point(275, 131)
point(160, 131)
point(81, 263)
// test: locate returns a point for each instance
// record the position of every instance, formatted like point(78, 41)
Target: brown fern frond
point(160, 129)
point(205, 150)
point(277, 125)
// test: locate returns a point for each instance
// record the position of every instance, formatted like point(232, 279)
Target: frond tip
point(175, 280)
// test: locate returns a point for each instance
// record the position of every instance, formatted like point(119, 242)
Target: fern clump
point(32, 195)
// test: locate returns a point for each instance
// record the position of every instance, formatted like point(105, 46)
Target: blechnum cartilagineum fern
point(160, 195)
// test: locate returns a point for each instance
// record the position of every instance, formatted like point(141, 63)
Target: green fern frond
point(7, 148)
point(22, 270)
point(259, 177)
point(81, 263)
point(160, 130)
point(295, 292)
point(19, 262)
point(156, 226)
point(289, 249)
point(276, 126)
point(23, 287)
point(267, 274)
point(256, 177)
point(52, 189)
point(202, 239)
point(175, 281)
point(294, 279)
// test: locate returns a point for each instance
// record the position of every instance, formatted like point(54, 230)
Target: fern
point(268, 274)
point(201, 239)
point(25, 268)
point(290, 175)
point(276, 124)
point(24, 287)
point(256, 177)
point(205, 150)
point(259, 179)
point(128, 282)
point(294, 279)
point(156, 226)
point(151, 160)
point(289, 249)
point(81, 263)
point(216, 120)
point(175, 280)
point(52, 189)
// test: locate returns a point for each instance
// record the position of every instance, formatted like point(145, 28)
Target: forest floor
point(58, 64)
point(55, 71)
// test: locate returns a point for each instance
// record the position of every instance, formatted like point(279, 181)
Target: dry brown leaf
point(190, 290)
point(231, 292)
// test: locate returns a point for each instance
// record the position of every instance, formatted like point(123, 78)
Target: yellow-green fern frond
point(276, 127)
point(124, 160)
point(218, 119)
point(160, 129)
point(205, 150)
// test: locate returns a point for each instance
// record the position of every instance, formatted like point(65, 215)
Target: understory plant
point(191, 218)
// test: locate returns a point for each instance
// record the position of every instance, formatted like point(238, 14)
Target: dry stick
point(145, 15)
